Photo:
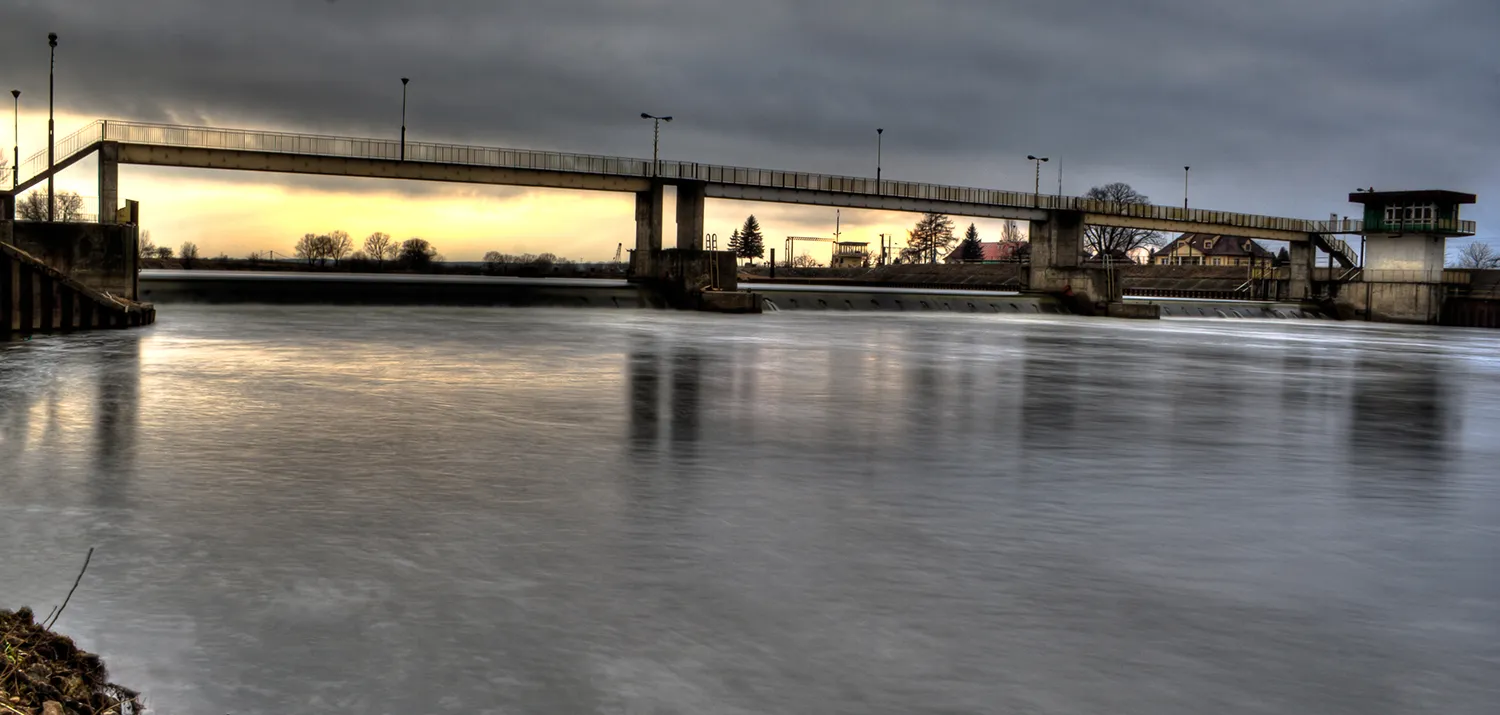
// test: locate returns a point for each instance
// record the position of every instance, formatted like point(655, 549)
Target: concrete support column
point(7, 207)
point(1056, 243)
point(1300, 270)
point(648, 214)
point(648, 210)
point(109, 181)
point(1057, 265)
point(690, 202)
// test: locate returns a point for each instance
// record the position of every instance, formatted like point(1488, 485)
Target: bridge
point(1056, 221)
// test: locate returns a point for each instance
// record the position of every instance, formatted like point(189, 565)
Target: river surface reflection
point(305, 509)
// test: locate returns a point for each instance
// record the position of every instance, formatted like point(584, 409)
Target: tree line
point(378, 248)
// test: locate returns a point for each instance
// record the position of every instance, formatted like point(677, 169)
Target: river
point(427, 510)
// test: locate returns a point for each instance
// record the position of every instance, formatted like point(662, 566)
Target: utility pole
point(15, 168)
point(655, 140)
point(1036, 195)
point(51, 67)
point(404, 80)
point(878, 134)
point(1185, 171)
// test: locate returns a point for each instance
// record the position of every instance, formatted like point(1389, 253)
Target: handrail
point(64, 148)
point(428, 152)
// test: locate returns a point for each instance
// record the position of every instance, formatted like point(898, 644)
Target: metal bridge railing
point(69, 145)
point(389, 149)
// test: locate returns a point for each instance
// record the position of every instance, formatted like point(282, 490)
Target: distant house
point(998, 252)
point(1209, 249)
point(850, 254)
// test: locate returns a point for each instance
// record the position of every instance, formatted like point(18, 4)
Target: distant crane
point(618, 248)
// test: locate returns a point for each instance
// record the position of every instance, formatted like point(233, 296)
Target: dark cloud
point(1281, 106)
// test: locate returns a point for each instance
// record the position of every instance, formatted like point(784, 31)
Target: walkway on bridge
point(249, 150)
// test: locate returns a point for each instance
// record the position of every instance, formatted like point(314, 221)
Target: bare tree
point(163, 252)
point(417, 253)
point(307, 248)
point(1011, 244)
point(1113, 240)
point(1010, 232)
point(932, 235)
point(339, 245)
point(1478, 255)
point(68, 206)
point(188, 254)
point(32, 207)
point(378, 248)
point(148, 249)
point(803, 260)
point(495, 262)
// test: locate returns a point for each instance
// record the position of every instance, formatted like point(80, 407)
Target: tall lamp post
point(1036, 196)
point(655, 140)
point(15, 169)
point(1185, 171)
point(404, 80)
point(879, 133)
point(51, 65)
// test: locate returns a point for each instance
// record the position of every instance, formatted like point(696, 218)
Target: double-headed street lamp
point(1037, 189)
point(51, 66)
point(655, 140)
point(15, 169)
point(404, 80)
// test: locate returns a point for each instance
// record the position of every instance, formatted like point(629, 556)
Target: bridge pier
point(686, 277)
point(109, 181)
point(690, 203)
point(1300, 270)
point(648, 211)
point(7, 207)
point(1057, 265)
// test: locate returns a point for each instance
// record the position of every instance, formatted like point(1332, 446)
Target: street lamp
point(878, 134)
point(1037, 189)
point(1185, 171)
point(655, 139)
point(15, 169)
point(404, 80)
point(51, 65)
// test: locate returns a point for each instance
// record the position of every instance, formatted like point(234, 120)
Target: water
point(526, 511)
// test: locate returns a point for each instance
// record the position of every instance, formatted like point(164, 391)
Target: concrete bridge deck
point(250, 150)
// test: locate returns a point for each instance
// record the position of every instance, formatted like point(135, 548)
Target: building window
point(1218, 261)
point(1411, 213)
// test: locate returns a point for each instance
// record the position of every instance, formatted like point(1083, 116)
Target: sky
point(1281, 107)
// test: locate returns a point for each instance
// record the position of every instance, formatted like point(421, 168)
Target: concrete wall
point(1471, 312)
point(1394, 302)
point(35, 297)
point(1404, 258)
point(103, 257)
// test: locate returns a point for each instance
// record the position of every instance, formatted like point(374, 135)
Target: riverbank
point(44, 673)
